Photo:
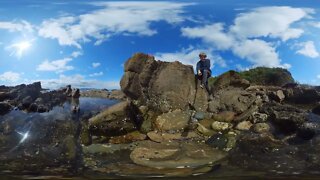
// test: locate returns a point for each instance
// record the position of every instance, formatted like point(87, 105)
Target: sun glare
point(19, 48)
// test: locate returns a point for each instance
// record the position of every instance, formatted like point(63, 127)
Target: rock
point(68, 91)
point(244, 125)
point(76, 93)
point(302, 95)
point(225, 116)
point(33, 107)
point(205, 131)
point(117, 94)
point(214, 105)
point(259, 117)
point(22, 91)
point(149, 118)
point(261, 128)
point(199, 115)
point(230, 78)
point(26, 102)
point(220, 126)
point(175, 120)
point(4, 96)
point(128, 138)
point(261, 152)
point(235, 100)
point(286, 118)
point(308, 130)
point(131, 170)
point(119, 119)
point(42, 108)
point(85, 135)
point(163, 137)
point(246, 115)
point(4, 108)
point(175, 155)
point(95, 93)
point(277, 96)
point(70, 148)
point(147, 80)
point(218, 140)
point(316, 110)
point(201, 99)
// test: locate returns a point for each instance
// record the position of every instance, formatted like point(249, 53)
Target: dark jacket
point(203, 64)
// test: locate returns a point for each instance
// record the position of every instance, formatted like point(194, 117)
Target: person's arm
point(198, 68)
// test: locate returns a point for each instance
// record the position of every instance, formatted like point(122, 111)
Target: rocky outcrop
point(119, 119)
point(32, 98)
point(302, 95)
point(158, 84)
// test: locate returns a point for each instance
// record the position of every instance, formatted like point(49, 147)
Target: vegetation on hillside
point(261, 76)
point(267, 76)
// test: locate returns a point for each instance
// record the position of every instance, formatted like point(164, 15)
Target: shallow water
point(35, 138)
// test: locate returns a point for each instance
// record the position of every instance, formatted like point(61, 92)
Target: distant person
point(203, 70)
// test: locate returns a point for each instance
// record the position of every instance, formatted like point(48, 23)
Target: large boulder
point(117, 120)
point(230, 78)
point(161, 85)
point(232, 99)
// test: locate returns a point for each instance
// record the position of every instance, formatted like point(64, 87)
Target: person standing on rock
point(203, 70)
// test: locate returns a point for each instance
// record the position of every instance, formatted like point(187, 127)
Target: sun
point(18, 49)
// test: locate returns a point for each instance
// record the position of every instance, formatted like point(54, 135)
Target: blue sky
point(85, 44)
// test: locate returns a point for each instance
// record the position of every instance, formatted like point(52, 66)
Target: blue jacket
point(203, 64)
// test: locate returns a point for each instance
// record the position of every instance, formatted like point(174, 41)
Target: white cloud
point(96, 64)
point(315, 24)
point(308, 49)
point(76, 54)
point(57, 65)
point(318, 76)
point(10, 76)
point(190, 56)
point(245, 37)
point(59, 29)
point(22, 26)
point(257, 52)
point(96, 74)
point(212, 34)
point(113, 18)
point(77, 81)
point(272, 21)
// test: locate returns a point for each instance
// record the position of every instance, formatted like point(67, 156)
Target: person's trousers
point(205, 74)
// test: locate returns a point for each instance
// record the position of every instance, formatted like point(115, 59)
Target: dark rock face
point(286, 117)
point(4, 108)
point(302, 95)
point(316, 110)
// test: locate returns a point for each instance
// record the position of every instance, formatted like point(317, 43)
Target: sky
point(86, 43)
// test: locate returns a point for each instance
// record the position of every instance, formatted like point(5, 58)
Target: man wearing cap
point(203, 69)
